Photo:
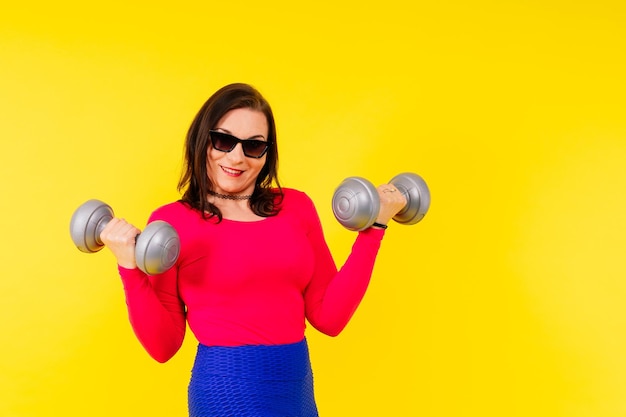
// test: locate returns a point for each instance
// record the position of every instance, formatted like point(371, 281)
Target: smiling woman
point(215, 164)
point(253, 267)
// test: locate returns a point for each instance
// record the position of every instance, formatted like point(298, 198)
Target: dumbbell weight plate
point(157, 248)
point(417, 194)
point(87, 223)
point(356, 203)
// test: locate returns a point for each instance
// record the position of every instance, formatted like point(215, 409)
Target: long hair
point(195, 183)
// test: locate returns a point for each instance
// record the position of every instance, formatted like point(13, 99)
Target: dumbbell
point(156, 248)
point(356, 203)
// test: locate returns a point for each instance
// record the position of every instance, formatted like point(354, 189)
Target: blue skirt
point(252, 381)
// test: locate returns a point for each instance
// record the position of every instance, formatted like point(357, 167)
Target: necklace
point(229, 196)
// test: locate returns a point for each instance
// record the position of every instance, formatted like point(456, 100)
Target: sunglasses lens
point(254, 148)
point(223, 142)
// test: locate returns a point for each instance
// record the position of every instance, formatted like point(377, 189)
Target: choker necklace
point(229, 196)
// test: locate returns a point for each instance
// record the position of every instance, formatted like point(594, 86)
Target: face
point(233, 172)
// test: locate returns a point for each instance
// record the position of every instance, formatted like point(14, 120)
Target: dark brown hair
point(194, 181)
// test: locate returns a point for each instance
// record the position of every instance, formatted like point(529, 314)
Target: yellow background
point(508, 299)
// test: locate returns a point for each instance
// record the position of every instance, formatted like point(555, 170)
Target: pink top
point(248, 283)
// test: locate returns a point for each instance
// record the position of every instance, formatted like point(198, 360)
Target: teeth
point(232, 171)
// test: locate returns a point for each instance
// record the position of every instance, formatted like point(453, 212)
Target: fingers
point(392, 196)
point(119, 232)
point(391, 202)
point(119, 237)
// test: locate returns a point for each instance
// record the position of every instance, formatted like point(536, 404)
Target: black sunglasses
point(252, 148)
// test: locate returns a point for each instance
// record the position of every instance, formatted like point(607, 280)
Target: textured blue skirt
point(252, 381)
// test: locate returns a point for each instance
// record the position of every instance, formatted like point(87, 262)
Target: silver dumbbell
point(156, 248)
point(356, 203)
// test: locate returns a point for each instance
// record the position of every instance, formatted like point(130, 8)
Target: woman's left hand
point(391, 202)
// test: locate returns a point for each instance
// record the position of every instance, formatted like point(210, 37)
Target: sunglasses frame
point(238, 141)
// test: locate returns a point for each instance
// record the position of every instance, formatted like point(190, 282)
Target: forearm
point(345, 291)
point(155, 311)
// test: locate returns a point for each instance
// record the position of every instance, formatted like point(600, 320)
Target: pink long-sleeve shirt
point(248, 283)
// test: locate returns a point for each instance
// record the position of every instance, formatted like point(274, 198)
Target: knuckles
point(119, 232)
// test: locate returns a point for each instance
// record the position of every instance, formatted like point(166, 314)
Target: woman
point(253, 265)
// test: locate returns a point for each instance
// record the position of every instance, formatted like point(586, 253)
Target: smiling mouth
point(232, 172)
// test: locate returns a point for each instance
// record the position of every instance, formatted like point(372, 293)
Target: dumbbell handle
point(100, 227)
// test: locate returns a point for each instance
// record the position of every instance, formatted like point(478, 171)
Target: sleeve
point(155, 310)
point(332, 296)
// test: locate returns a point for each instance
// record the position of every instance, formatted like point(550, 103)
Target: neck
point(230, 196)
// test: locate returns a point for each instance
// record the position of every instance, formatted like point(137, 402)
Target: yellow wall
point(507, 300)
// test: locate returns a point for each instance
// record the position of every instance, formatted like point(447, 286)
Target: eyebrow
point(230, 133)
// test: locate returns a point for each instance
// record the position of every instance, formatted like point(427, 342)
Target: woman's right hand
point(120, 236)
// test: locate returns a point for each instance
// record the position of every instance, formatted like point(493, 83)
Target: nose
point(237, 155)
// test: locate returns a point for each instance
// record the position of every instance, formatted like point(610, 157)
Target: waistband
point(262, 362)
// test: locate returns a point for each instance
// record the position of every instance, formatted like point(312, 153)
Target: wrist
point(379, 225)
point(127, 263)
